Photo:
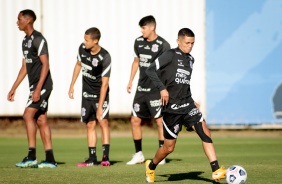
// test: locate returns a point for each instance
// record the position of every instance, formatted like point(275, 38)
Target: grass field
point(260, 156)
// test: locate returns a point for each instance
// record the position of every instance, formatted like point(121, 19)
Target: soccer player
point(95, 63)
point(35, 65)
point(175, 67)
point(146, 103)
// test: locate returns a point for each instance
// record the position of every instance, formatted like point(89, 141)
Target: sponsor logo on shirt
point(141, 46)
point(181, 76)
point(159, 42)
point(82, 55)
point(180, 62)
point(177, 106)
point(139, 88)
point(147, 47)
point(86, 95)
point(28, 60)
point(144, 60)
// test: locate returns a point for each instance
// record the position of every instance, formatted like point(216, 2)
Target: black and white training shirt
point(33, 46)
point(147, 52)
point(175, 69)
point(94, 67)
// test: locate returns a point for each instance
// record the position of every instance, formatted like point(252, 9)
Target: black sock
point(92, 153)
point(138, 145)
point(106, 150)
point(50, 156)
point(214, 165)
point(161, 143)
point(31, 153)
point(152, 166)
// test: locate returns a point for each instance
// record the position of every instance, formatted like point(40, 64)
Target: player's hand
point(11, 96)
point(99, 114)
point(71, 91)
point(129, 86)
point(164, 97)
point(197, 105)
point(36, 95)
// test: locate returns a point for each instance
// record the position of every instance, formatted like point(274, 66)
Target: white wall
point(64, 23)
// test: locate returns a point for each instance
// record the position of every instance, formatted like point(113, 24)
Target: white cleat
point(137, 158)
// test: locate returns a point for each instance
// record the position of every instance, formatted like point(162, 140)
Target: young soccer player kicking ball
point(175, 68)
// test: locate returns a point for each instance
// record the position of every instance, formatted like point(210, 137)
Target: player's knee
point(135, 121)
point(168, 149)
point(200, 131)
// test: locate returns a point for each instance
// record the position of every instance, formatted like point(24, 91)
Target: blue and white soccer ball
point(236, 174)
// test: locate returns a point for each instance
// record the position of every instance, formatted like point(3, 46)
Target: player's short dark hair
point(29, 13)
point(94, 33)
point(147, 20)
point(186, 32)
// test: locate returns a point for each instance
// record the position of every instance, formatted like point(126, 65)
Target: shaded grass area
point(260, 156)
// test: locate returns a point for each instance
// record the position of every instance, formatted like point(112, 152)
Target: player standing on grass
point(175, 67)
point(35, 65)
point(146, 103)
point(95, 63)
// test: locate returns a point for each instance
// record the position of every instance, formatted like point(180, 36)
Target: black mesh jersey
point(94, 67)
point(147, 52)
point(175, 69)
point(33, 46)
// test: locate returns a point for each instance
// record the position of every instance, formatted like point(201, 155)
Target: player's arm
point(105, 85)
point(134, 68)
point(103, 93)
point(76, 71)
point(21, 75)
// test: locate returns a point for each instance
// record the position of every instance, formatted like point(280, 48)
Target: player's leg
point(105, 129)
point(30, 125)
point(159, 122)
point(139, 110)
point(161, 154)
point(45, 133)
point(88, 116)
point(171, 127)
point(208, 146)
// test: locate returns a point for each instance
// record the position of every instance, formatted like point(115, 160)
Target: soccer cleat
point(219, 174)
point(150, 174)
point(137, 158)
point(105, 161)
point(162, 162)
point(27, 162)
point(46, 164)
point(87, 163)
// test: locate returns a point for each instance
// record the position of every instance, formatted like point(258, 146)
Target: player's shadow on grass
point(187, 176)
point(167, 160)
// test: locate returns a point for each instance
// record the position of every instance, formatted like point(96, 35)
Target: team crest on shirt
point(83, 111)
point(29, 43)
point(176, 128)
point(155, 48)
point(136, 107)
point(95, 62)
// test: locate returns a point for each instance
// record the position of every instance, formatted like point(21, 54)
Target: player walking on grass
point(175, 67)
point(95, 63)
point(146, 103)
point(35, 65)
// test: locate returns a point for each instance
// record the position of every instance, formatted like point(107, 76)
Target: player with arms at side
point(175, 67)
point(95, 63)
point(35, 65)
point(146, 103)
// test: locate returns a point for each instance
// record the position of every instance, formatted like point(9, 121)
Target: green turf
point(261, 157)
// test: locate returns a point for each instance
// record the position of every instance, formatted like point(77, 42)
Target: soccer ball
point(236, 174)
